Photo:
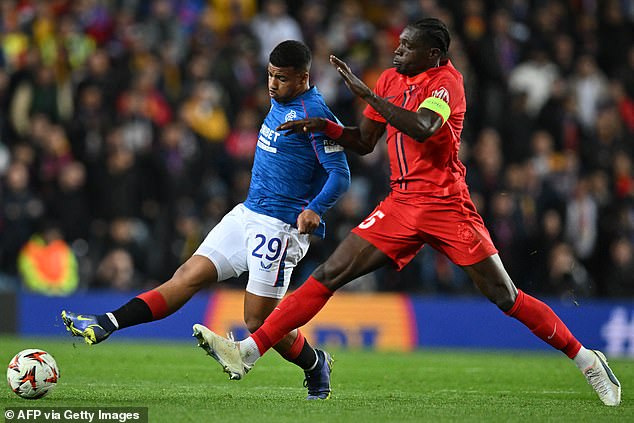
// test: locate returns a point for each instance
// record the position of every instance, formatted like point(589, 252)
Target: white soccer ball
point(32, 373)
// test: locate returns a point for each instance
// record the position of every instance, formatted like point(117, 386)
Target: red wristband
point(333, 130)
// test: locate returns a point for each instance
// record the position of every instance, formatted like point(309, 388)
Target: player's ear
point(434, 52)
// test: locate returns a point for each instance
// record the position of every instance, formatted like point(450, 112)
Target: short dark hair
point(435, 31)
point(291, 53)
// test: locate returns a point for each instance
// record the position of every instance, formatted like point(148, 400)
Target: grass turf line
point(179, 383)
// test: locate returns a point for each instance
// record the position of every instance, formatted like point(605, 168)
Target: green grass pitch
point(179, 383)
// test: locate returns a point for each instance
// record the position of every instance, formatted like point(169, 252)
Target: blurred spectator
point(517, 129)
point(507, 232)
point(348, 31)
point(161, 30)
point(564, 53)
point(20, 212)
point(144, 100)
point(68, 204)
point(129, 235)
point(535, 78)
point(581, 221)
point(204, 114)
point(619, 277)
point(567, 277)
point(40, 94)
point(615, 30)
point(240, 144)
point(558, 117)
point(88, 130)
point(590, 89)
point(100, 74)
point(272, 26)
point(47, 264)
point(177, 162)
point(55, 154)
point(485, 173)
point(116, 186)
point(440, 276)
point(495, 56)
point(116, 271)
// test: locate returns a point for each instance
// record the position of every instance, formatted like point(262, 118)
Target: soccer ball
point(32, 373)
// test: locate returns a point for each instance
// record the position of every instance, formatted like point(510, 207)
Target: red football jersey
point(430, 167)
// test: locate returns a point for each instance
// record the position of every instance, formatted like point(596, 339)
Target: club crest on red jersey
point(441, 93)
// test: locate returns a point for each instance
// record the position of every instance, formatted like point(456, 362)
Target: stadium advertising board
point(350, 320)
point(383, 322)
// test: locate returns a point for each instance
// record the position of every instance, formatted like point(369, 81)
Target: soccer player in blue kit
point(295, 179)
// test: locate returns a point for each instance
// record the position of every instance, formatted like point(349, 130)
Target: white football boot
point(224, 351)
point(603, 381)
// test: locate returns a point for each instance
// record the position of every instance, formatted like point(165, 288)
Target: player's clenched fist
point(307, 221)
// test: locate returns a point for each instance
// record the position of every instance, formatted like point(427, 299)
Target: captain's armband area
point(437, 105)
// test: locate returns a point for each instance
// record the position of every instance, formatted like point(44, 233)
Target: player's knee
point(253, 323)
point(186, 277)
point(331, 274)
point(505, 300)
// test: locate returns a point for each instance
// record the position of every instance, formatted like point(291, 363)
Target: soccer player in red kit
point(421, 103)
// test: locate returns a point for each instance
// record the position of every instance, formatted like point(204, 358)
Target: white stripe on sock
point(315, 364)
point(113, 320)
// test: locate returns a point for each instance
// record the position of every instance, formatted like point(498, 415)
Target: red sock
point(544, 323)
point(156, 303)
point(295, 311)
point(296, 348)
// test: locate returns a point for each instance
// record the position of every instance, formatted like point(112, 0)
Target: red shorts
point(400, 228)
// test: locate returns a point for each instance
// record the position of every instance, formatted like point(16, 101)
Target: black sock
point(134, 312)
point(105, 322)
point(306, 358)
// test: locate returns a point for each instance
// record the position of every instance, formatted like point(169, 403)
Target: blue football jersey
point(292, 172)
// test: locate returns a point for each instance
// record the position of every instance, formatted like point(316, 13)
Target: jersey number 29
point(274, 247)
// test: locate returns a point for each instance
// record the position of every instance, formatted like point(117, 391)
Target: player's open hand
point(303, 125)
point(355, 85)
point(307, 221)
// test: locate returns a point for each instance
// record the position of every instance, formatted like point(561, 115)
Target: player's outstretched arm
point(419, 125)
point(361, 139)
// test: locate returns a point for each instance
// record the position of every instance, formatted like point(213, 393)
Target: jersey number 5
point(371, 219)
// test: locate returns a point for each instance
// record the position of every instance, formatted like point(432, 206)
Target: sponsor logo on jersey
point(331, 146)
point(266, 137)
point(441, 93)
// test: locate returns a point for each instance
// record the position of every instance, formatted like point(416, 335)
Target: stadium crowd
point(127, 129)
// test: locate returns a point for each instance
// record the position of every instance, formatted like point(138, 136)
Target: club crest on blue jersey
point(292, 115)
